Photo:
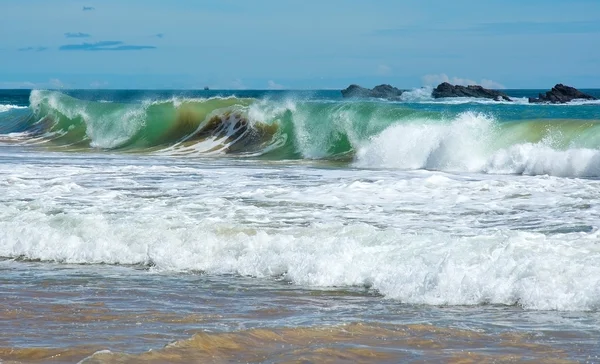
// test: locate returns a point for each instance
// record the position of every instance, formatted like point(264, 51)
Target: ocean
point(297, 226)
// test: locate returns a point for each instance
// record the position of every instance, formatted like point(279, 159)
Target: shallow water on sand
point(129, 314)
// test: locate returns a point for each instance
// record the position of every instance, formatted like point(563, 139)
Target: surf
point(362, 134)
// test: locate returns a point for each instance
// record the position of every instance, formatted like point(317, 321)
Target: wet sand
point(51, 313)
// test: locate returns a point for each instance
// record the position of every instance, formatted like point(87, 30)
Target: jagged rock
point(561, 94)
point(381, 92)
point(447, 90)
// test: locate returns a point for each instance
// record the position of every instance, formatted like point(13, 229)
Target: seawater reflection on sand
point(96, 314)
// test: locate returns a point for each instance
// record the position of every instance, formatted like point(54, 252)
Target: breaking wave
point(5, 108)
point(436, 269)
point(366, 134)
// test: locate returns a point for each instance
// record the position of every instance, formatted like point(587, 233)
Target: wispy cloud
point(131, 48)
point(53, 83)
point(159, 35)
point(77, 35)
point(107, 45)
point(501, 28)
point(56, 83)
point(238, 84)
point(99, 84)
point(404, 30)
point(383, 70)
point(272, 85)
point(32, 49)
point(526, 27)
point(435, 79)
point(88, 8)
point(18, 85)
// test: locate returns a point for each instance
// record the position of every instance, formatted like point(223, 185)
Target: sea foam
point(8, 107)
point(529, 269)
point(417, 237)
point(472, 142)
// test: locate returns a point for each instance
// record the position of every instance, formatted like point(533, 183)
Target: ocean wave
point(474, 142)
point(15, 137)
point(521, 101)
point(474, 100)
point(320, 343)
point(423, 95)
point(502, 267)
point(8, 107)
point(366, 134)
point(417, 95)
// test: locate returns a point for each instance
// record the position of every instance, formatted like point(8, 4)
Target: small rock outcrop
point(447, 90)
point(561, 94)
point(380, 92)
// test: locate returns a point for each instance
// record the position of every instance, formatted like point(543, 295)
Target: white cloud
point(98, 84)
point(384, 69)
point(238, 84)
point(17, 85)
point(272, 85)
point(56, 83)
point(491, 84)
point(53, 83)
point(436, 79)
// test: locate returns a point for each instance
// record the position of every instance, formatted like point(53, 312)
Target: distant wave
point(5, 108)
point(423, 95)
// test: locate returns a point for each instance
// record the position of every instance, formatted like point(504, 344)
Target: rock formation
point(561, 94)
point(447, 90)
point(381, 92)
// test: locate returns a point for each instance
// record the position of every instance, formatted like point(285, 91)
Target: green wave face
point(124, 126)
point(295, 129)
point(227, 125)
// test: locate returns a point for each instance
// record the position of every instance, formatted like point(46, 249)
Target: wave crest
point(367, 134)
point(474, 142)
point(9, 107)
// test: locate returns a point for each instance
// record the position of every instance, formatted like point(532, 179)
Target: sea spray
point(477, 143)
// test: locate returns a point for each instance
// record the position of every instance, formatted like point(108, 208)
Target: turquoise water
point(172, 226)
point(302, 125)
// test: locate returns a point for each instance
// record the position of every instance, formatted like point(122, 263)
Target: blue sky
point(296, 44)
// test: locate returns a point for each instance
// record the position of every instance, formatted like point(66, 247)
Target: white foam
point(465, 144)
point(429, 268)
point(418, 237)
point(105, 129)
point(539, 159)
point(576, 102)
point(423, 144)
point(8, 107)
point(417, 95)
point(476, 100)
point(483, 101)
point(111, 130)
point(15, 137)
point(96, 355)
point(423, 95)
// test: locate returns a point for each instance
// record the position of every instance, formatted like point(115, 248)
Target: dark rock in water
point(447, 90)
point(561, 94)
point(381, 92)
point(356, 91)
